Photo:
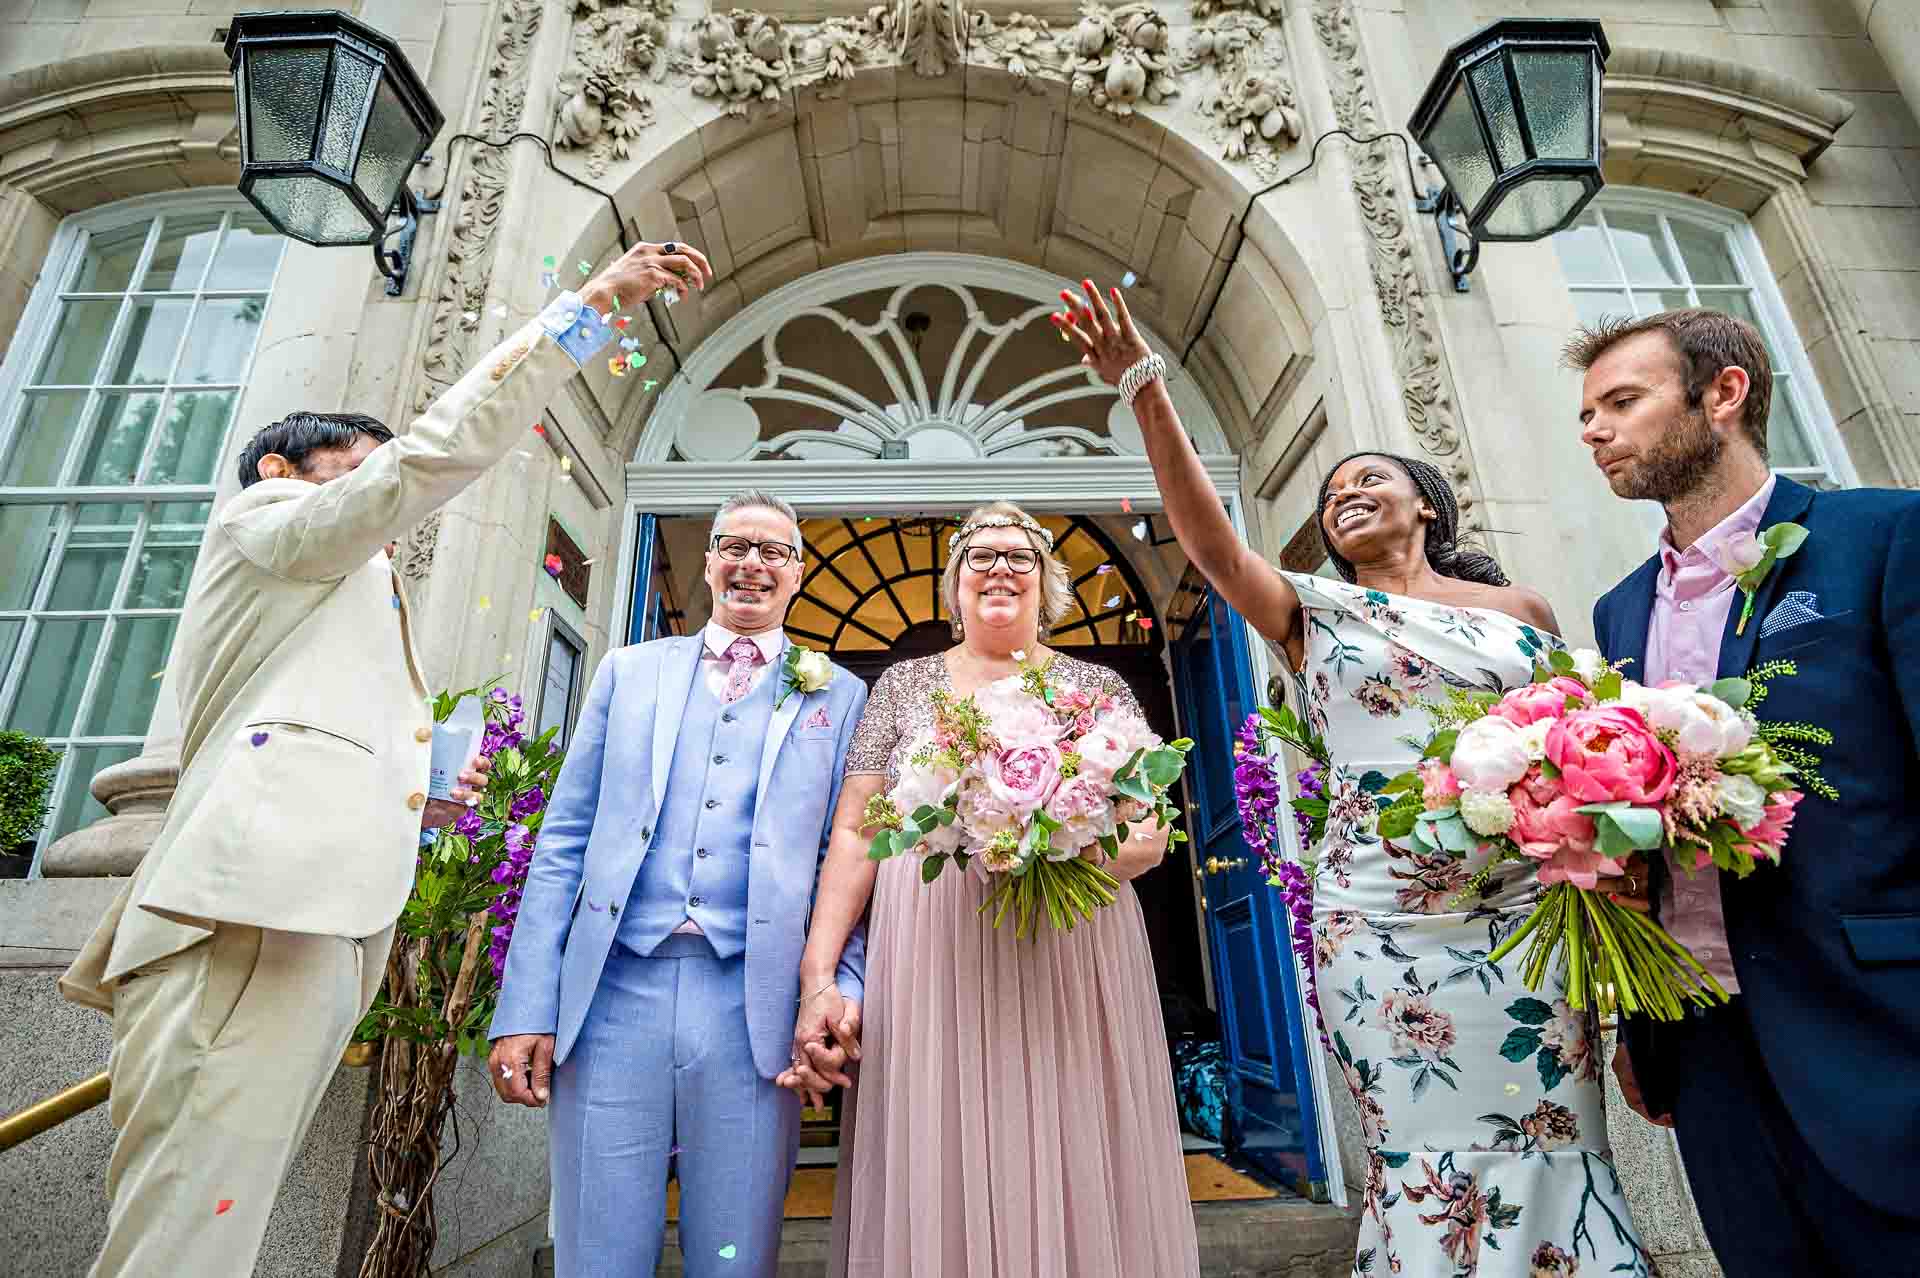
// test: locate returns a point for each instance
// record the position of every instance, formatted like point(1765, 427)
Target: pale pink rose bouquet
point(1579, 771)
point(1033, 783)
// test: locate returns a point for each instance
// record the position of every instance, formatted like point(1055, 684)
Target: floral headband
point(998, 521)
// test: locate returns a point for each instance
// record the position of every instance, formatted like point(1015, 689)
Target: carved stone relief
point(1425, 387)
point(1117, 58)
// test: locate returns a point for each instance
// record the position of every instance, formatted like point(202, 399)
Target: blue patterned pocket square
point(1796, 609)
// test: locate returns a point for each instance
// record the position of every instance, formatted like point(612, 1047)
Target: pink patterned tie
point(745, 655)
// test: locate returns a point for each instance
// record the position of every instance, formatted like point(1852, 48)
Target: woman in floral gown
point(1480, 1101)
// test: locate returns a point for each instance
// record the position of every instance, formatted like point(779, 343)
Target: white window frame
point(1750, 260)
point(31, 339)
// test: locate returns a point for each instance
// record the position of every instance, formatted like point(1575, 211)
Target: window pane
point(79, 336)
point(1642, 248)
point(26, 535)
point(1665, 300)
point(1593, 305)
point(192, 514)
point(1787, 444)
point(222, 339)
point(55, 676)
point(123, 703)
point(78, 807)
point(189, 446)
point(248, 254)
point(121, 424)
point(1583, 254)
point(106, 513)
point(110, 260)
point(1740, 302)
point(1704, 250)
point(47, 424)
point(181, 256)
point(153, 337)
point(89, 570)
point(164, 568)
point(10, 629)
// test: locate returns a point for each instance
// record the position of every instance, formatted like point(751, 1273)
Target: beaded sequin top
point(901, 707)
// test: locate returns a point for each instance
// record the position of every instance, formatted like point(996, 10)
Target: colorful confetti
point(1132, 617)
point(540, 430)
point(617, 366)
point(729, 1251)
point(566, 464)
point(1103, 570)
point(616, 301)
point(535, 614)
point(1146, 623)
point(1129, 280)
point(549, 261)
point(587, 563)
point(486, 602)
point(549, 280)
point(1126, 505)
point(553, 565)
point(674, 1152)
point(259, 739)
point(396, 603)
point(620, 321)
point(649, 384)
point(1113, 602)
point(222, 1207)
point(159, 673)
point(586, 268)
point(636, 360)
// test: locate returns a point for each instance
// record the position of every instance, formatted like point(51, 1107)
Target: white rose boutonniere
point(1749, 559)
point(804, 669)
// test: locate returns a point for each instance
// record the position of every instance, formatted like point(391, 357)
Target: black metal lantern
point(1512, 119)
point(332, 119)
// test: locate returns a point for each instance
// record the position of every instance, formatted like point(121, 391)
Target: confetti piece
point(674, 1151)
point(586, 268)
point(617, 366)
point(506, 658)
point(1063, 336)
point(1146, 623)
point(1113, 602)
point(506, 1071)
point(1126, 505)
point(222, 1207)
point(1132, 617)
point(629, 343)
point(729, 1251)
point(549, 280)
point(486, 602)
point(587, 563)
point(649, 384)
point(259, 739)
point(471, 317)
point(535, 614)
point(1103, 570)
point(616, 301)
point(636, 360)
point(500, 312)
point(1513, 1089)
point(396, 603)
point(566, 463)
point(549, 261)
point(552, 565)
point(539, 430)
point(158, 673)
point(1129, 280)
point(620, 321)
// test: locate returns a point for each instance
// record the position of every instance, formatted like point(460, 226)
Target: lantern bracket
point(393, 263)
point(1445, 207)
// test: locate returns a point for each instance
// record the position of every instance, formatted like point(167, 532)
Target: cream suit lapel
point(406, 637)
point(782, 719)
point(678, 668)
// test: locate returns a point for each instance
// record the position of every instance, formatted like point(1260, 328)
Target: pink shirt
point(1692, 599)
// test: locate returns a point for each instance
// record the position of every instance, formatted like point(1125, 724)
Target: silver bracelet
point(1135, 379)
point(822, 990)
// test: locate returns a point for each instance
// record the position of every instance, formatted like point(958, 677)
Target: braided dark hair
point(1444, 553)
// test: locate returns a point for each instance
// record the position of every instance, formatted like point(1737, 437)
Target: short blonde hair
point(1056, 590)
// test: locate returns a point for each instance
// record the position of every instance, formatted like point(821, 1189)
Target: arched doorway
point(887, 396)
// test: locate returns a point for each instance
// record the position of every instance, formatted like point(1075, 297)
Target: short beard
point(1678, 466)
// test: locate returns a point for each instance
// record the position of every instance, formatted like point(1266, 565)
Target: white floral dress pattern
point(1480, 1100)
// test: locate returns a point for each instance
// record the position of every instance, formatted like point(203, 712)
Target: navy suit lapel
point(1630, 616)
point(1788, 504)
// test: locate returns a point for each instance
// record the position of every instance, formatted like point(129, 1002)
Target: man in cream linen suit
point(655, 964)
point(242, 954)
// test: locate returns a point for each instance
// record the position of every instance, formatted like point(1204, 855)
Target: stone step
point(1275, 1238)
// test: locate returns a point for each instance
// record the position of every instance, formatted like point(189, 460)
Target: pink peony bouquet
point(1583, 769)
point(1030, 782)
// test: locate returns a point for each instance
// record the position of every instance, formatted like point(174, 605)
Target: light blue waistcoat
point(698, 866)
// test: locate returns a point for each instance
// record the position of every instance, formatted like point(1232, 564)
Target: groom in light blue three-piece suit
point(654, 968)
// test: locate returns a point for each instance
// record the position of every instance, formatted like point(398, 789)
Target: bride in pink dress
point(1012, 1114)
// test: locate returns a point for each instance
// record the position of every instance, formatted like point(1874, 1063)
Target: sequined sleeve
point(879, 727)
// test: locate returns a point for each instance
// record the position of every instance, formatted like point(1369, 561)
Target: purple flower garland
point(1256, 791)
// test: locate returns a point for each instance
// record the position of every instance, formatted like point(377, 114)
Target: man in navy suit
point(1795, 1105)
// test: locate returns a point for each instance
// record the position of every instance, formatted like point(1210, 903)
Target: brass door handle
point(1216, 865)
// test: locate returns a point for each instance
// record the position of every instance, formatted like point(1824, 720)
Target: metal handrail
point(53, 1111)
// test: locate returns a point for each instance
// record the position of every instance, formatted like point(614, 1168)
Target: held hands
point(1109, 343)
point(643, 270)
point(826, 1035)
point(473, 782)
point(521, 1066)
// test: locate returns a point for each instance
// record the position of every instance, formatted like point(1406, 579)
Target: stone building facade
point(889, 196)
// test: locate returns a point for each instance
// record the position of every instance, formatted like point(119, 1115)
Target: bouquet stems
point(1611, 954)
point(1067, 892)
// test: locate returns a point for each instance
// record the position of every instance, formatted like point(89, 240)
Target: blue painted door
point(1270, 1096)
point(649, 618)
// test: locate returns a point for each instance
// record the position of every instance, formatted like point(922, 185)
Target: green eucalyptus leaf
point(930, 867)
point(1560, 661)
point(1735, 692)
point(1441, 747)
point(1784, 539)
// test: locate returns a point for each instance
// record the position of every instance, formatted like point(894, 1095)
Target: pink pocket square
point(818, 719)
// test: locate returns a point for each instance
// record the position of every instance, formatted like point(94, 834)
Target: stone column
point(1894, 28)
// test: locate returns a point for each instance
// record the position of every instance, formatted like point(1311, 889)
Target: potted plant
point(443, 977)
point(27, 767)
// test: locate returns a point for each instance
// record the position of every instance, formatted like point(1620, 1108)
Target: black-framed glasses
point(774, 554)
point(983, 559)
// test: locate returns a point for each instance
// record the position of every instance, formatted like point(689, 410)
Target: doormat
point(1211, 1181)
point(809, 1197)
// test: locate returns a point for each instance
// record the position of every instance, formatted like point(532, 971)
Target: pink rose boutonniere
point(1752, 557)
